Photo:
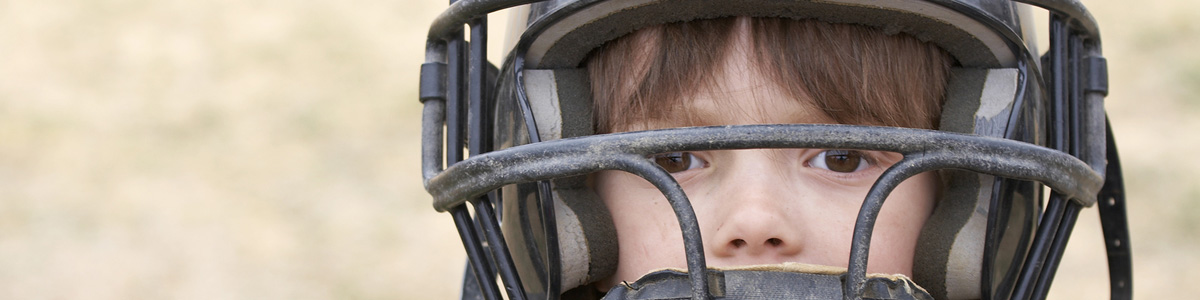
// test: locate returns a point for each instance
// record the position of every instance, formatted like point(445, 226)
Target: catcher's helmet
point(1012, 123)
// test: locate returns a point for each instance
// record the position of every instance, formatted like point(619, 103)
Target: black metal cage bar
point(578, 156)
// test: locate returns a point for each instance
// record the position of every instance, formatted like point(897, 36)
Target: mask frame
point(1074, 70)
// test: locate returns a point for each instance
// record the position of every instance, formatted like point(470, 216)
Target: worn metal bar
point(477, 116)
point(455, 100)
point(433, 118)
point(504, 263)
point(578, 156)
point(1074, 93)
point(1039, 251)
point(477, 112)
point(1065, 226)
point(689, 225)
point(1057, 138)
point(475, 252)
point(860, 243)
point(456, 123)
point(1074, 12)
point(462, 11)
point(1074, 136)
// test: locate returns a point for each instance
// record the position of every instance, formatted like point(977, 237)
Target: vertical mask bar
point(477, 113)
point(1049, 222)
point(689, 226)
point(1056, 130)
point(475, 253)
point(504, 264)
point(1056, 249)
point(455, 112)
point(860, 243)
point(1074, 89)
point(1047, 227)
point(1075, 136)
point(478, 119)
point(455, 94)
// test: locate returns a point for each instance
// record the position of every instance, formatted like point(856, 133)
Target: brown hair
point(855, 74)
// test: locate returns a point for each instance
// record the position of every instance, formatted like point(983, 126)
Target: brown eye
point(841, 161)
point(676, 162)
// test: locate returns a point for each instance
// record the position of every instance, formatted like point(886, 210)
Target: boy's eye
point(676, 162)
point(841, 161)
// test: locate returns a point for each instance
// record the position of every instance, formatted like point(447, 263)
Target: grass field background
point(268, 149)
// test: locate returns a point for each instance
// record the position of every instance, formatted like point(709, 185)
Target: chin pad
point(949, 254)
point(782, 281)
point(587, 238)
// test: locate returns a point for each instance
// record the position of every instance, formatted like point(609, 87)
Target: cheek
point(629, 198)
point(900, 222)
point(830, 218)
point(910, 204)
point(647, 232)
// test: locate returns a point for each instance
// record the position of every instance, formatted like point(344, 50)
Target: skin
point(761, 206)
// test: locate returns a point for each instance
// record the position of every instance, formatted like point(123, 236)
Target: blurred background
point(268, 149)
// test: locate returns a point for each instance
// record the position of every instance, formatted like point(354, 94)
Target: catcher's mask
point(1013, 122)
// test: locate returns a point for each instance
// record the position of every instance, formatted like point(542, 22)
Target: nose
point(757, 222)
point(756, 234)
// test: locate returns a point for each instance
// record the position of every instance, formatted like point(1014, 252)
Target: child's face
point(762, 206)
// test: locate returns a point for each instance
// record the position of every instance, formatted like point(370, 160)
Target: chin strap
point(1115, 225)
point(764, 282)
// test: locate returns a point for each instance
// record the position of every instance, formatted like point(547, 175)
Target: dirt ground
point(268, 149)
